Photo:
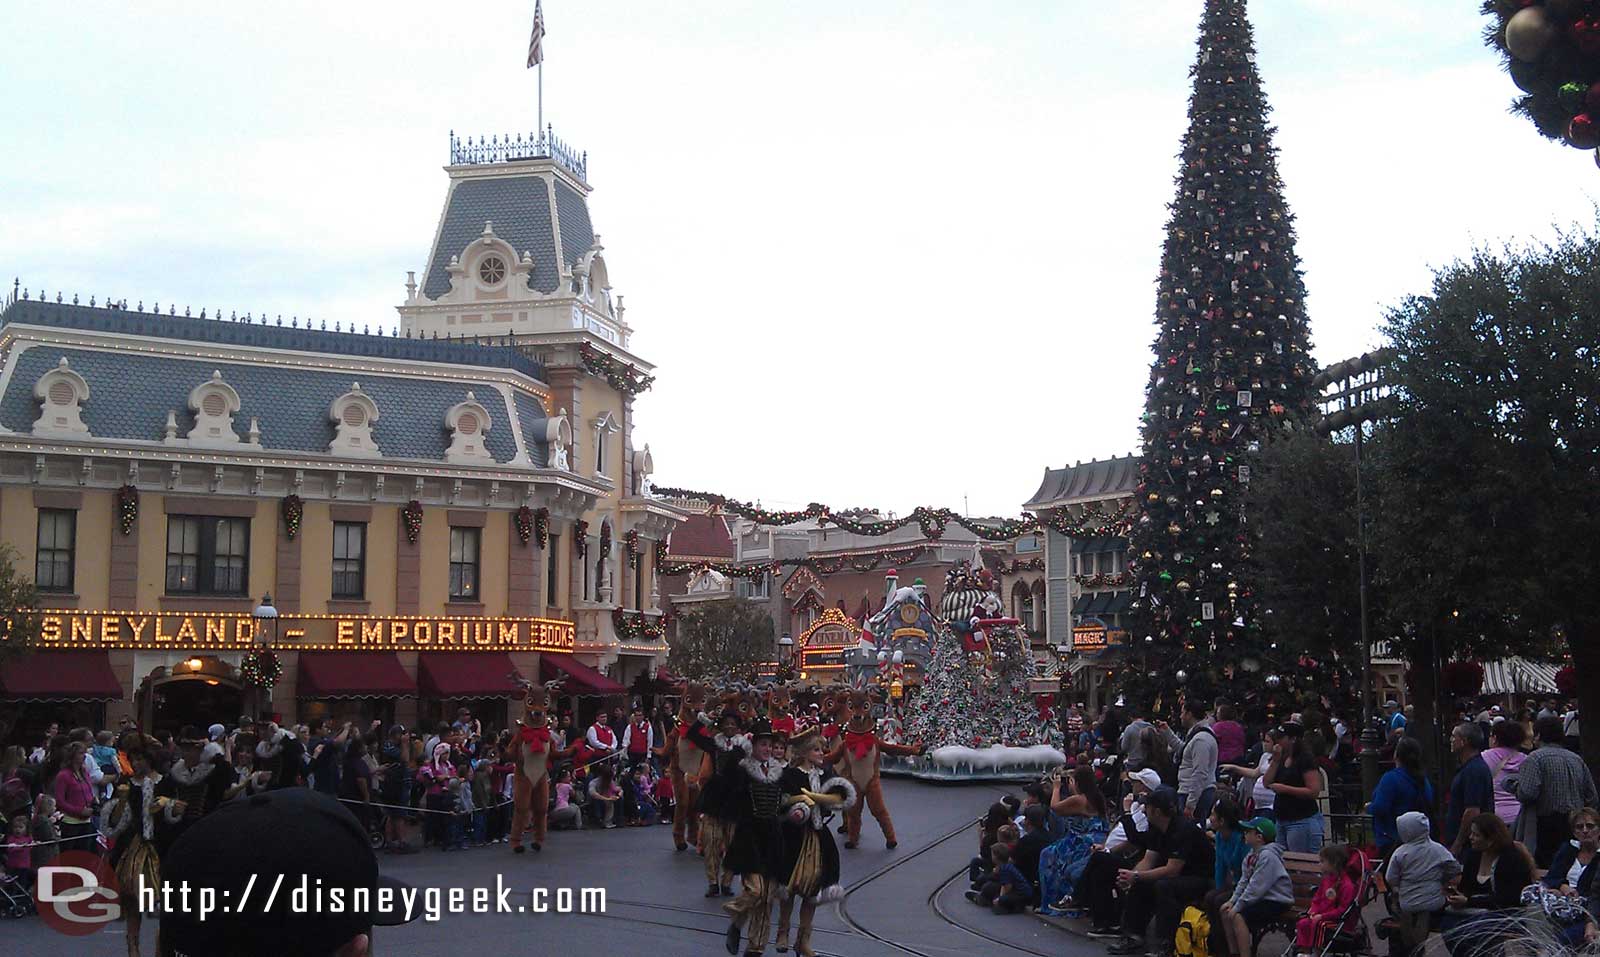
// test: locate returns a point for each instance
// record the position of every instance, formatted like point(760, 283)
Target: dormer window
point(214, 404)
point(352, 415)
point(468, 423)
point(491, 270)
point(61, 393)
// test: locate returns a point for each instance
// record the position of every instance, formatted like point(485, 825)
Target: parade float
point(973, 713)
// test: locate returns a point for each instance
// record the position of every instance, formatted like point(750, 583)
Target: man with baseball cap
point(237, 854)
point(1123, 846)
point(1176, 870)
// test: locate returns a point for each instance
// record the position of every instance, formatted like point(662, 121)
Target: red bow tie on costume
point(538, 737)
point(860, 743)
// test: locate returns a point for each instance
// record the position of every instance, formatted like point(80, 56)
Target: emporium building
point(379, 525)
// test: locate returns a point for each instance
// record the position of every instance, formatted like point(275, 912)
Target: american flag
point(536, 42)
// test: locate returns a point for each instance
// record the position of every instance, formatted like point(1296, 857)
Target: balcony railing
point(507, 149)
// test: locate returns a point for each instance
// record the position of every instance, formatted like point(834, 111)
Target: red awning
point(60, 676)
point(353, 674)
point(443, 674)
point(580, 678)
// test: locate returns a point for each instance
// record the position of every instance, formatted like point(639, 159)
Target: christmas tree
point(975, 688)
point(1232, 364)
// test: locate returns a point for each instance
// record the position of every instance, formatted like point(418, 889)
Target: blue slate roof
point(577, 233)
point(519, 208)
point(130, 395)
point(126, 322)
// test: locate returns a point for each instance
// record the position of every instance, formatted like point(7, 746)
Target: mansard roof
point(1102, 478)
point(519, 207)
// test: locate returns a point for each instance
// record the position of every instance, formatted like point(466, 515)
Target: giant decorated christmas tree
point(1232, 364)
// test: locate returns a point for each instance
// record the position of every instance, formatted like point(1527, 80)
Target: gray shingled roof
point(519, 208)
point(1104, 477)
point(130, 395)
point(577, 234)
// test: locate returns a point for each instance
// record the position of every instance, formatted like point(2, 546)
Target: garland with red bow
point(638, 626)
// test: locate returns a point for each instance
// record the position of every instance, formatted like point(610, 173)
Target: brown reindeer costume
point(780, 714)
point(683, 764)
point(532, 751)
point(858, 757)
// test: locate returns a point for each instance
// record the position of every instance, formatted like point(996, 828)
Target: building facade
point(1087, 589)
point(388, 525)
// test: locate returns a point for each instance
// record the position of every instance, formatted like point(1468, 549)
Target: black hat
point(1291, 729)
point(240, 850)
point(761, 728)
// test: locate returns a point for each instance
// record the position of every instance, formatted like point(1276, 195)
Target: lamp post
point(785, 657)
point(263, 614)
point(1357, 394)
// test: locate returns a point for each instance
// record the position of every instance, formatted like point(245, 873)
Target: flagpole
point(541, 98)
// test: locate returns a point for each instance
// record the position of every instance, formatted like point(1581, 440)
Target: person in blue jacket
point(1403, 788)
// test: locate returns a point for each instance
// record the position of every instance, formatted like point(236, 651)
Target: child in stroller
point(16, 884)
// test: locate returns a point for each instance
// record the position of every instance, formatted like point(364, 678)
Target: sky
point(884, 254)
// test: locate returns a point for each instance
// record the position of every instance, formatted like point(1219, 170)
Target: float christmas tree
point(1232, 364)
point(974, 712)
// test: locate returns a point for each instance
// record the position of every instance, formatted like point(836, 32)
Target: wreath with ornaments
point(411, 515)
point(261, 669)
point(1551, 48)
point(127, 508)
point(293, 511)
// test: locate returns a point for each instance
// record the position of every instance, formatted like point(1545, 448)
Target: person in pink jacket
point(75, 800)
point(1333, 899)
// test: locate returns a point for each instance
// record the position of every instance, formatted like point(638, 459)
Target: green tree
point(1488, 513)
point(17, 597)
point(1305, 564)
point(1232, 362)
point(720, 641)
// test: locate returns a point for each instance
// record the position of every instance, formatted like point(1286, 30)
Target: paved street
point(902, 901)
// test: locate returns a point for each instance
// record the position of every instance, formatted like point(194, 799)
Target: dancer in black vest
point(755, 851)
point(811, 794)
point(717, 803)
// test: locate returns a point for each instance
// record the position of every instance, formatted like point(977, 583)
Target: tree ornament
point(1182, 676)
point(1583, 132)
point(1273, 681)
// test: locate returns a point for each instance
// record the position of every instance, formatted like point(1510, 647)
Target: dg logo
point(78, 894)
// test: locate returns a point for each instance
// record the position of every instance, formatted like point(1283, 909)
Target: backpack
point(1194, 933)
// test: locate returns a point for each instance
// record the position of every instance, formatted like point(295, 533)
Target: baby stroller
point(15, 897)
point(1347, 934)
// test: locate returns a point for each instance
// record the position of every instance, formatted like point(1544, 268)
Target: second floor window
point(207, 556)
point(58, 535)
point(464, 563)
point(349, 559)
point(551, 570)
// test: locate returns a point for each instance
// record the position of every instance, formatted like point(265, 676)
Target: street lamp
point(264, 613)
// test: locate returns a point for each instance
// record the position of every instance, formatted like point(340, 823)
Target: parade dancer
point(812, 794)
point(755, 852)
point(532, 751)
point(683, 764)
point(858, 756)
point(718, 793)
point(140, 824)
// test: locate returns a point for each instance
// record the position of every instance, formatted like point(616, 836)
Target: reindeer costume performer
point(531, 752)
point(683, 764)
point(858, 758)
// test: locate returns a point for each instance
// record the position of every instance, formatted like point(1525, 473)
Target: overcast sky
point(884, 254)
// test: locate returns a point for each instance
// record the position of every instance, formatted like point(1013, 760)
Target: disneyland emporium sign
point(71, 629)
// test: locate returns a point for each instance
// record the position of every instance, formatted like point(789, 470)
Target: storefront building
point(386, 526)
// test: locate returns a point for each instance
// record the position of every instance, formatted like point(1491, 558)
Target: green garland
point(580, 538)
point(624, 377)
point(824, 566)
point(1020, 565)
point(630, 546)
point(541, 527)
point(639, 626)
point(525, 524)
point(931, 521)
